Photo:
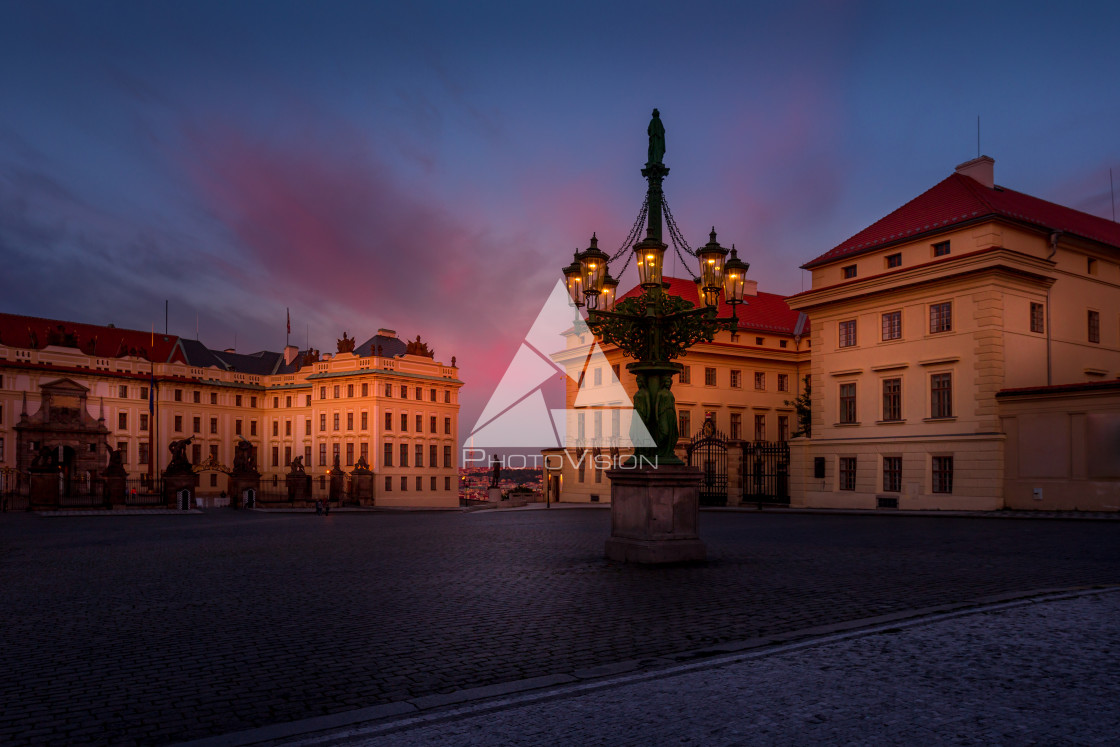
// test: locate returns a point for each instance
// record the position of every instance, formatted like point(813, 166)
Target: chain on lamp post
point(656, 327)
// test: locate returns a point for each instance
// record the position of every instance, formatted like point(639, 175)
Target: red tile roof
point(103, 342)
point(960, 199)
point(766, 312)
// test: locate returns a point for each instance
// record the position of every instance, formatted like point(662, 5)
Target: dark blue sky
point(429, 167)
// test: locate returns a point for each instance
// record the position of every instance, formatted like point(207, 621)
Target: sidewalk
point(1034, 670)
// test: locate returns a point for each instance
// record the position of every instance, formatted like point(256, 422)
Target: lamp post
point(654, 496)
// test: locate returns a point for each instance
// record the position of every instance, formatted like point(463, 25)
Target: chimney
point(750, 288)
point(981, 169)
point(290, 353)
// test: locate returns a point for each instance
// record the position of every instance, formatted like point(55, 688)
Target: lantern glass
point(650, 255)
point(711, 257)
point(734, 278)
point(607, 297)
point(573, 273)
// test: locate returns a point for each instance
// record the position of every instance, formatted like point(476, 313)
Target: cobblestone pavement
point(155, 629)
point(1037, 673)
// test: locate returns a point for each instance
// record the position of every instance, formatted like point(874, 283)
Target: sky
point(430, 167)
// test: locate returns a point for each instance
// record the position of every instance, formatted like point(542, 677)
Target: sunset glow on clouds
point(430, 168)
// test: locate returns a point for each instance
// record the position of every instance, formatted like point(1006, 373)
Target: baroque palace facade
point(385, 400)
point(742, 382)
point(966, 355)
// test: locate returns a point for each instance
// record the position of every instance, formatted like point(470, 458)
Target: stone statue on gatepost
point(180, 481)
point(244, 481)
point(361, 483)
point(298, 481)
point(115, 478)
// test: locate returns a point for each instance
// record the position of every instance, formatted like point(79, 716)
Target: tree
point(804, 407)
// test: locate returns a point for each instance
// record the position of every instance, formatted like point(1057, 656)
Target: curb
point(429, 709)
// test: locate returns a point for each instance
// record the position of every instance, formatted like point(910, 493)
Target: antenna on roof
point(1112, 192)
point(977, 135)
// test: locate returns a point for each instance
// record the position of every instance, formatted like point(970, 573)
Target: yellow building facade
point(741, 381)
point(385, 400)
point(920, 320)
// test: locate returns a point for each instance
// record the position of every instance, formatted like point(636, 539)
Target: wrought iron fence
point(765, 472)
point(708, 451)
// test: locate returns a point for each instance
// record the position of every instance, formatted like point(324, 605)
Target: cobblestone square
point(157, 629)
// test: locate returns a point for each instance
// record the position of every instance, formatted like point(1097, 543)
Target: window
point(178, 395)
point(144, 392)
point(404, 421)
point(447, 425)
point(287, 455)
point(306, 400)
point(941, 249)
point(447, 456)
point(598, 377)
point(143, 456)
point(404, 483)
point(237, 400)
point(616, 421)
point(892, 474)
point(419, 394)
point(736, 378)
point(433, 482)
point(335, 453)
point(943, 474)
point(848, 403)
point(122, 392)
point(432, 395)
point(404, 454)
point(941, 395)
point(581, 419)
point(349, 455)
point(365, 389)
point(388, 390)
point(849, 271)
point(307, 455)
point(1, 449)
point(709, 377)
point(404, 392)
point(349, 421)
point(847, 473)
point(323, 454)
point(198, 398)
point(418, 455)
point(783, 343)
point(275, 402)
point(388, 421)
point(213, 425)
point(684, 424)
point(253, 427)
point(1094, 326)
point(892, 325)
point(686, 375)
point(337, 391)
point(387, 457)
point(419, 483)
point(447, 483)
point(336, 420)
point(615, 369)
point(213, 398)
point(1038, 322)
point(236, 426)
point(736, 426)
point(288, 401)
point(1091, 266)
point(363, 450)
point(388, 484)
point(419, 423)
point(848, 333)
point(760, 381)
point(940, 317)
point(783, 427)
point(447, 396)
point(275, 456)
point(894, 260)
point(143, 421)
point(783, 382)
point(287, 427)
point(275, 427)
point(252, 400)
point(196, 454)
point(178, 423)
point(349, 390)
point(433, 455)
point(122, 421)
point(122, 447)
point(760, 427)
point(432, 424)
point(759, 341)
point(322, 422)
point(307, 430)
point(365, 420)
point(892, 399)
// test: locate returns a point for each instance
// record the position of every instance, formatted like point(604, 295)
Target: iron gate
point(766, 472)
point(708, 451)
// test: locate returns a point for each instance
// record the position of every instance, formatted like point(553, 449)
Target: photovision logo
point(517, 416)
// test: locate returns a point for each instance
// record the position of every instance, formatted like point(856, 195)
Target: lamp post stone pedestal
point(654, 514)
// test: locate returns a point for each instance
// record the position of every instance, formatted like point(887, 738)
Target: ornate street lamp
point(655, 327)
point(734, 281)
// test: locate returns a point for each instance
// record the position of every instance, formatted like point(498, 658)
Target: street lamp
point(655, 327)
point(734, 281)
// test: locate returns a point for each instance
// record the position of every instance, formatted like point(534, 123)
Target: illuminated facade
point(386, 400)
point(924, 322)
point(741, 380)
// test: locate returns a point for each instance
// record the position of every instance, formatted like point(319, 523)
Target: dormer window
point(894, 260)
point(941, 249)
point(849, 271)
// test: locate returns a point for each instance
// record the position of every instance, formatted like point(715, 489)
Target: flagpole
point(152, 415)
point(288, 335)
